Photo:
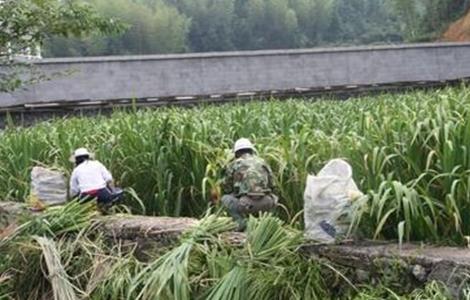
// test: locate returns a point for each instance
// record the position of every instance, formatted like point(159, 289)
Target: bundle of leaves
point(61, 255)
point(30, 258)
point(206, 266)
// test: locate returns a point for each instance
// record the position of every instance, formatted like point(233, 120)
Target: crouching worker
point(247, 184)
point(91, 180)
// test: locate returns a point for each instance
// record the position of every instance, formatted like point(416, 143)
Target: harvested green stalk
point(61, 286)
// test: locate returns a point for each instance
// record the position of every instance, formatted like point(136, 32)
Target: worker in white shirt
point(91, 180)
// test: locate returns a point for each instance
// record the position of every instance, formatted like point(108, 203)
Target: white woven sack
point(327, 202)
point(48, 186)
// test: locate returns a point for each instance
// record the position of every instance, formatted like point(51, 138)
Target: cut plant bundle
point(56, 221)
point(61, 286)
point(203, 264)
point(168, 276)
point(42, 236)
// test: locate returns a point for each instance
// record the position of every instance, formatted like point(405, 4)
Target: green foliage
point(363, 22)
point(271, 23)
point(173, 26)
point(25, 24)
point(168, 276)
point(314, 19)
point(212, 24)
point(21, 266)
point(154, 27)
point(422, 174)
point(202, 265)
point(56, 221)
point(426, 19)
point(432, 291)
point(409, 152)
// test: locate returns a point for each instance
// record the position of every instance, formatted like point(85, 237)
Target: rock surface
point(152, 233)
point(144, 233)
point(418, 263)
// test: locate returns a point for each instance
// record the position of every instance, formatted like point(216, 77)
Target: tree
point(424, 20)
point(170, 29)
point(25, 24)
point(409, 13)
point(173, 26)
point(154, 27)
point(267, 24)
point(211, 24)
point(363, 22)
point(314, 18)
point(439, 13)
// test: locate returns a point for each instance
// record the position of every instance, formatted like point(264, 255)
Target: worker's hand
point(353, 195)
point(215, 196)
point(111, 185)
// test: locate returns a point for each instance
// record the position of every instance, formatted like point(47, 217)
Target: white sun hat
point(243, 143)
point(80, 152)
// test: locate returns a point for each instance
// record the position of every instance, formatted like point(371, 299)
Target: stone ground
point(414, 263)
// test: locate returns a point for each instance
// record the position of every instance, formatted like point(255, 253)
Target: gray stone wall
point(141, 77)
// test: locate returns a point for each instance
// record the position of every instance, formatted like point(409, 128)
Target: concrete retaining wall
point(141, 77)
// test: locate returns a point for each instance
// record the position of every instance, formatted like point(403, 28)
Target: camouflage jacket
point(248, 174)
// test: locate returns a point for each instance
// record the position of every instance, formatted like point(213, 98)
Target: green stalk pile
point(410, 154)
point(42, 236)
point(204, 264)
point(61, 286)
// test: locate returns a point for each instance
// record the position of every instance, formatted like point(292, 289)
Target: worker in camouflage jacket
point(247, 184)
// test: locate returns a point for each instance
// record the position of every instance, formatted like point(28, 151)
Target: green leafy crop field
point(410, 154)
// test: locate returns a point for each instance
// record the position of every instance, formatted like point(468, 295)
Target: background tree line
point(175, 26)
point(26, 24)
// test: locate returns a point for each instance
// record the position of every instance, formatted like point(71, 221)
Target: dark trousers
point(102, 196)
point(240, 207)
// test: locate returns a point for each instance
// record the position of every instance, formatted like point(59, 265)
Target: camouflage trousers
point(240, 207)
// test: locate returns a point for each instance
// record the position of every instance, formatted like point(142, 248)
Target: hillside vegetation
point(175, 26)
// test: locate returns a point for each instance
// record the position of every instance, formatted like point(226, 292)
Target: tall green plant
point(410, 153)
